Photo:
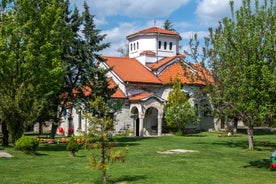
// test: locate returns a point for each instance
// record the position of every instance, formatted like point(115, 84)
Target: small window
point(165, 45)
point(160, 44)
point(134, 46)
point(137, 45)
point(131, 47)
point(171, 45)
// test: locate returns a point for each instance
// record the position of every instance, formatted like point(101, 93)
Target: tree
point(83, 79)
point(30, 67)
point(176, 96)
point(123, 50)
point(241, 53)
point(100, 136)
point(168, 25)
point(178, 111)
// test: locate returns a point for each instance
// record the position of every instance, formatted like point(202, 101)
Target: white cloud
point(116, 36)
point(132, 8)
point(210, 12)
point(190, 34)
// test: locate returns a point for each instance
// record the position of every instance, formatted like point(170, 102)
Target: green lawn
point(218, 160)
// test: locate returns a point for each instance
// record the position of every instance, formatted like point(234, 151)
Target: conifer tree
point(100, 136)
point(178, 111)
point(83, 79)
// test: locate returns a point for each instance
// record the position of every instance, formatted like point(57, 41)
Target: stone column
point(159, 131)
point(141, 125)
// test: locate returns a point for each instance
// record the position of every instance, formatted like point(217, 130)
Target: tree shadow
point(259, 145)
point(258, 131)
point(194, 135)
point(52, 147)
point(129, 141)
point(261, 164)
point(127, 179)
point(236, 143)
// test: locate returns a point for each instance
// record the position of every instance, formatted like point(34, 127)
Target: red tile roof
point(140, 96)
point(131, 70)
point(185, 75)
point(118, 93)
point(203, 74)
point(155, 30)
point(164, 61)
point(148, 52)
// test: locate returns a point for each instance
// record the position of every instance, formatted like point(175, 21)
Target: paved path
point(5, 154)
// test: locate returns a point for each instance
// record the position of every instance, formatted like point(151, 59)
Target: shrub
point(73, 146)
point(27, 144)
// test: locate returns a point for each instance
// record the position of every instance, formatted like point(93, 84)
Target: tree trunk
point(40, 128)
point(104, 177)
point(235, 125)
point(53, 130)
point(5, 133)
point(250, 130)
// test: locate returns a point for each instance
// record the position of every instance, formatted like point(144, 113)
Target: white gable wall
point(162, 46)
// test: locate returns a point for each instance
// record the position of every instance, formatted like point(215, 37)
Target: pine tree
point(178, 111)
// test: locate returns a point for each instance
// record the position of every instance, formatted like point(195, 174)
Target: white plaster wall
point(151, 43)
point(145, 43)
point(123, 119)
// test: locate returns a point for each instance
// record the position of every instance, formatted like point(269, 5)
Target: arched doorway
point(147, 115)
point(151, 121)
point(135, 116)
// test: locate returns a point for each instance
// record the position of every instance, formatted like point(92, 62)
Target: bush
point(27, 144)
point(73, 146)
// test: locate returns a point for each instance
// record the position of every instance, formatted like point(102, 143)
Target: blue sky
point(119, 18)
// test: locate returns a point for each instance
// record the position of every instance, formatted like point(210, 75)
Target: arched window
point(134, 46)
point(137, 45)
point(171, 45)
point(131, 47)
point(159, 45)
point(165, 45)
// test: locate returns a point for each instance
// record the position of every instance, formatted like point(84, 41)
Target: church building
point(144, 80)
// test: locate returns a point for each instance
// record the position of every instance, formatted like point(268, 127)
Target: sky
point(119, 18)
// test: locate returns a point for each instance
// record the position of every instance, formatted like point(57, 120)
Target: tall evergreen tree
point(178, 111)
point(168, 25)
point(83, 79)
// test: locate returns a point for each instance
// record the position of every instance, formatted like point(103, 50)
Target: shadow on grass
point(52, 147)
point(194, 135)
point(126, 179)
point(258, 131)
point(261, 164)
point(237, 143)
point(259, 145)
point(129, 141)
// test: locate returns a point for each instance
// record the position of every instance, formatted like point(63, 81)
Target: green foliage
point(30, 64)
point(179, 113)
point(100, 136)
point(168, 25)
point(241, 54)
point(179, 116)
point(73, 146)
point(176, 96)
point(27, 144)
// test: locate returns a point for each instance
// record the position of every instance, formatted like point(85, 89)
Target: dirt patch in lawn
point(176, 151)
point(5, 154)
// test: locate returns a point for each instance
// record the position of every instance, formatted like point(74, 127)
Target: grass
point(218, 160)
